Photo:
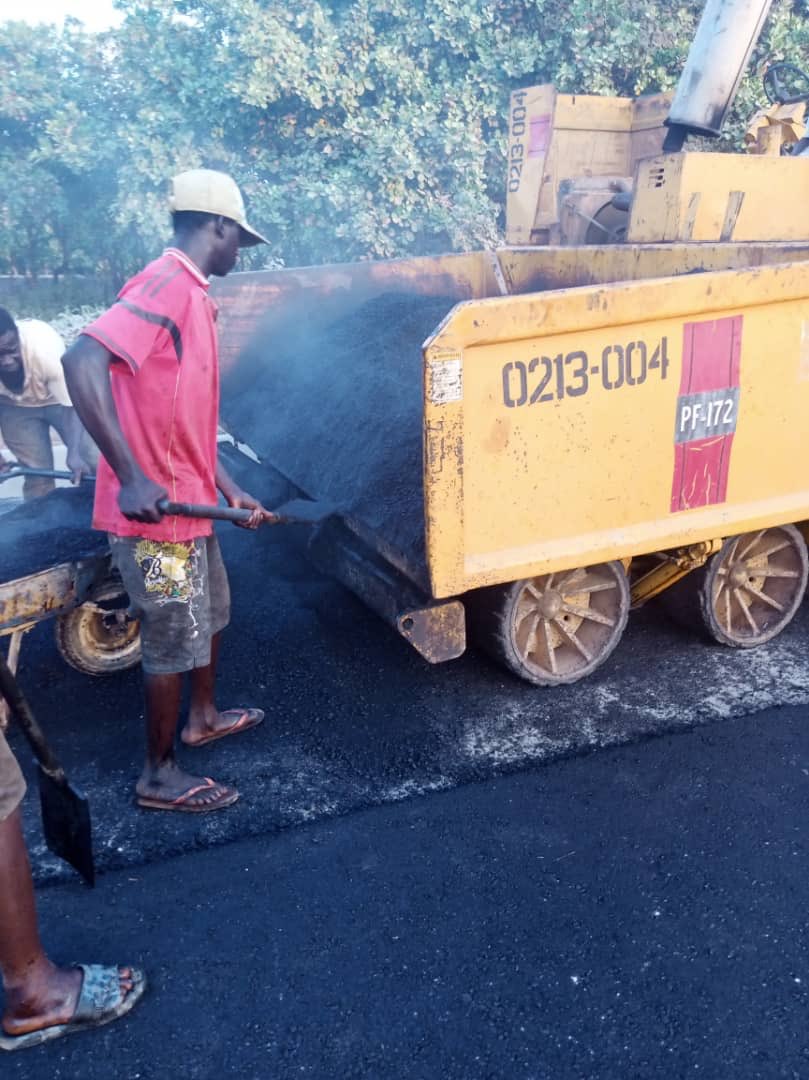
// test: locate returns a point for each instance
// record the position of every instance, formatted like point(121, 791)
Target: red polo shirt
point(165, 384)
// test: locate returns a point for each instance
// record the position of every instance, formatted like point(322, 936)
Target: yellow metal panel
point(591, 137)
point(648, 115)
point(558, 137)
point(443, 464)
point(541, 457)
point(650, 110)
point(592, 113)
point(533, 269)
point(531, 121)
point(713, 197)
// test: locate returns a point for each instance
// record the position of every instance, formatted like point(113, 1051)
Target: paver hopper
point(530, 439)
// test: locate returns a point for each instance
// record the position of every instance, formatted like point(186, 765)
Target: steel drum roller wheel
point(100, 637)
point(751, 588)
point(555, 628)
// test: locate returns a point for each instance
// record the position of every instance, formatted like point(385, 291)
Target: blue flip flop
point(100, 1002)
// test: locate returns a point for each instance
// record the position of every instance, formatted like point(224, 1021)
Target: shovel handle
point(21, 711)
point(52, 474)
point(196, 510)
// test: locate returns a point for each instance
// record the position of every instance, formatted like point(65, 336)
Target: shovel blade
point(304, 511)
point(66, 824)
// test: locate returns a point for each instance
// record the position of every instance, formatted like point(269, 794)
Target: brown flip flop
point(244, 720)
point(183, 804)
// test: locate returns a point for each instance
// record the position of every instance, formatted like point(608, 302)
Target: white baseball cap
point(211, 192)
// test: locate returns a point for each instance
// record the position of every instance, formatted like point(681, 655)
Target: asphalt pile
point(48, 531)
point(336, 406)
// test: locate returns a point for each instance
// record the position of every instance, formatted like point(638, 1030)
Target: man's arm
point(87, 373)
point(73, 434)
point(234, 496)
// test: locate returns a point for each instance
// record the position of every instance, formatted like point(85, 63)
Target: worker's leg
point(203, 712)
point(26, 432)
point(167, 591)
point(162, 780)
point(38, 994)
point(205, 721)
point(36, 990)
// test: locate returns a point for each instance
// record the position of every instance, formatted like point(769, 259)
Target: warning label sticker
point(445, 380)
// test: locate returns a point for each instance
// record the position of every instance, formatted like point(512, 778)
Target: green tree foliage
point(357, 128)
point(59, 153)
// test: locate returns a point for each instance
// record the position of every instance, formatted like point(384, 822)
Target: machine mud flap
point(435, 628)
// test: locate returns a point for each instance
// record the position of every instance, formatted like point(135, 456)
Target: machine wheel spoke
point(571, 639)
point(531, 616)
point(728, 613)
point(782, 546)
point(762, 596)
point(594, 586)
point(549, 649)
point(749, 547)
point(569, 577)
point(588, 613)
point(743, 604)
point(776, 572)
point(731, 555)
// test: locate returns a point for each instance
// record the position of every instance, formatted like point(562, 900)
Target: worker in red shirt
point(144, 379)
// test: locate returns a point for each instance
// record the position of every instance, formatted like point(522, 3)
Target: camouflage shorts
point(180, 593)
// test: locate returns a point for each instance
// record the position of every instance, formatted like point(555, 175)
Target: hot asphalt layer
point(636, 912)
point(355, 718)
point(640, 912)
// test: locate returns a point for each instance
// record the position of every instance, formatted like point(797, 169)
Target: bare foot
point(48, 997)
point(168, 787)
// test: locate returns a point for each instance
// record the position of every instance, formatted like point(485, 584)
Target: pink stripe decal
point(539, 133)
point(707, 412)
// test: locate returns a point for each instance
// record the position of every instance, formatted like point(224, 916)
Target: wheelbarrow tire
point(100, 640)
point(750, 590)
point(553, 629)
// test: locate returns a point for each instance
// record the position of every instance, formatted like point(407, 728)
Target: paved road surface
point(442, 872)
point(640, 912)
point(356, 718)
